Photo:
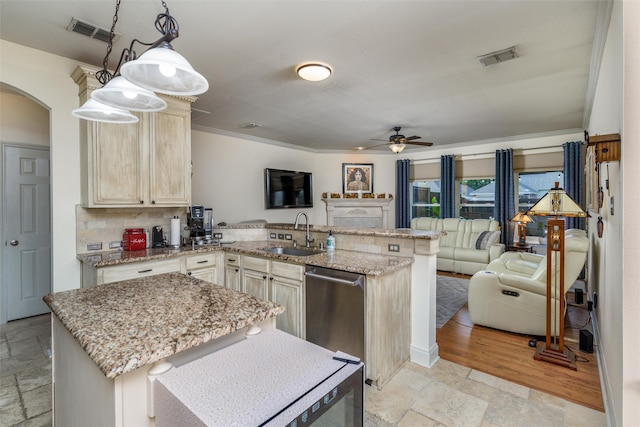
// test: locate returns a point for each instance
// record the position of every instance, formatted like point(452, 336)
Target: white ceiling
point(408, 63)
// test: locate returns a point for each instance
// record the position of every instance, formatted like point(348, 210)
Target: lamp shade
point(397, 148)
point(164, 70)
point(97, 112)
point(521, 217)
point(557, 203)
point(121, 93)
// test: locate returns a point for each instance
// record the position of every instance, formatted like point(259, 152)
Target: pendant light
point(97, 112)
point(121, 93)
point(131, 86)
point(164, 70)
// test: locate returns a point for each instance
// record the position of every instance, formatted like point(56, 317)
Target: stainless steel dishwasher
point(335, 307)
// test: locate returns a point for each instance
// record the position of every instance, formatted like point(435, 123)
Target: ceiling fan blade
point(409, 138)
point(422, 143)
point(376, 146)
point(383, 140)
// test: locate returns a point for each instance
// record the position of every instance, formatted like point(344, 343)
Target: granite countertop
point(180, 312)
point(355, 262)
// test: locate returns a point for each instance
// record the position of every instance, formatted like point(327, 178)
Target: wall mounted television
point(287, 189)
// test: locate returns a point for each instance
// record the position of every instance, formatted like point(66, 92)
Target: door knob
point(14, 242)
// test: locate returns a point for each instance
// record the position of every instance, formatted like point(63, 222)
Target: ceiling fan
point(398, 142)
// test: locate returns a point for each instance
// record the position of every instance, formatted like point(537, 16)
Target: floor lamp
point(556, 203)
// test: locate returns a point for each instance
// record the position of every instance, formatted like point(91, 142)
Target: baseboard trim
point(605, 385)
point(424, 358)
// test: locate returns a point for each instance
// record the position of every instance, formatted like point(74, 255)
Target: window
point(477, 198)
point(425, 199)
point(531, 186)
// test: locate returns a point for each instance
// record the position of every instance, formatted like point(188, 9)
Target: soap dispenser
point(331, 241)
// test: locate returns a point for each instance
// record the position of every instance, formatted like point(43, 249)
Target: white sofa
point(469, 246)
point(511, 293)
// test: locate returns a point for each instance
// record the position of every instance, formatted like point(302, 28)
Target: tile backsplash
point(106, 225)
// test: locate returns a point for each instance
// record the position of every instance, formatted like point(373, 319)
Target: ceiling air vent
point(90, 30)
point(499, 56)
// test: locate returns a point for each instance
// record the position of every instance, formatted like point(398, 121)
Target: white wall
point(608, 255)
point(23, 121)
point(228, 176)
point(22, 68)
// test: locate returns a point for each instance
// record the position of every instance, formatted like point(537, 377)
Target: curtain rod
point(491, 154)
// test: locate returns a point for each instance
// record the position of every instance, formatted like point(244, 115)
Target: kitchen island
point(109, 341)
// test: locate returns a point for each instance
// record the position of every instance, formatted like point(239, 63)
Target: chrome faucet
point(308, 239)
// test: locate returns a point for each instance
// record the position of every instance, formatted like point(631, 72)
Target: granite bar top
point(125, 325)
point(355, 262)
point(402, 233)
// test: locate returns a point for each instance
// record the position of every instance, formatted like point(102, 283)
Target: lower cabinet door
point(256, 284)
point(288, 293)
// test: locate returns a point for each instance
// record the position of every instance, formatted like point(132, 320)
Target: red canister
point(134, 239)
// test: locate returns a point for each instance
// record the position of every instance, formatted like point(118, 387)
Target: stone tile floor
point(445, 395)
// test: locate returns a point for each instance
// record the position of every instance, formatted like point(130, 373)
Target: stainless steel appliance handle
point(357, 282)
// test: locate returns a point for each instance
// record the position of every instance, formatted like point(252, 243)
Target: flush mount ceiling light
point(131, 86)
point(313, 71)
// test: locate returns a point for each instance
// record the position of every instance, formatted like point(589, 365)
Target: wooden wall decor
point(607, 147)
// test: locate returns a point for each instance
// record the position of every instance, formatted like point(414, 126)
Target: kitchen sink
point(292, 251)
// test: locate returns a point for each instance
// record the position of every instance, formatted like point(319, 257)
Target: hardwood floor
point(508, 356)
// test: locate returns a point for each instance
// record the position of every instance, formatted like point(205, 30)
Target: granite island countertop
point(123, 326)
point(352, 261)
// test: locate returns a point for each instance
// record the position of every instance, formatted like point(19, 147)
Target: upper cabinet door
point(118, 172)
point(170, 155)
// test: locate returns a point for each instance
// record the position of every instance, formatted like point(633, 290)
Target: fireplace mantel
point(360, 213)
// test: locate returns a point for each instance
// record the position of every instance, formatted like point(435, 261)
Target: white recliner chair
point(511, 293)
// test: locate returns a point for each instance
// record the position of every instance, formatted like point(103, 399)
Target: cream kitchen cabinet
point(280, 282)
point(203, 266)
point(144, 164)
point(232, 273)
point(99, 276)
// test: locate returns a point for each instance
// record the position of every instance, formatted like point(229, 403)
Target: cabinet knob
point(142, 202)
point(189, 273)
point(264, 277)
point(153, 202)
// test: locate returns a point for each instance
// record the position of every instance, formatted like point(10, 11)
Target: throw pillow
point(486, 239)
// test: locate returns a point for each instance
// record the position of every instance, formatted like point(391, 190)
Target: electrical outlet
point(94, 246)
point(394, 248)
point(288, 237)
point(217, 235)
point(280, 236)
point(115, 245)
point(272, 235)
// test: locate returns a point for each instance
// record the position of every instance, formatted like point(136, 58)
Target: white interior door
point(27, 231)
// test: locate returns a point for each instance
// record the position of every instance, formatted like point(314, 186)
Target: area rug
point(451, 295)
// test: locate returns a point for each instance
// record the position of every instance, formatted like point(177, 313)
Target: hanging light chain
point(165, 23)
point(104, 75)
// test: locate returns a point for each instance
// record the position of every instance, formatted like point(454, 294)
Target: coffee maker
point(195, 222)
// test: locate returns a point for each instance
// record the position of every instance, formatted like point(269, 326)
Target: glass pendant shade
point(397, 148)
point(121, 93)
point(97, 112)
point(164, 70)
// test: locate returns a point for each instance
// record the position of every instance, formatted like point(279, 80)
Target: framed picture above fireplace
point(357, 178)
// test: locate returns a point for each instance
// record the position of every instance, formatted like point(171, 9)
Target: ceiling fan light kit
point(398, 142)
point(132, 85)
point(314, 71)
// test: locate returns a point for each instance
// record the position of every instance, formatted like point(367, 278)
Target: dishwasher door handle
point(357, 282)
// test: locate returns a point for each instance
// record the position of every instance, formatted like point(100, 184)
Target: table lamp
point(556, 203)
point(522, 219)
